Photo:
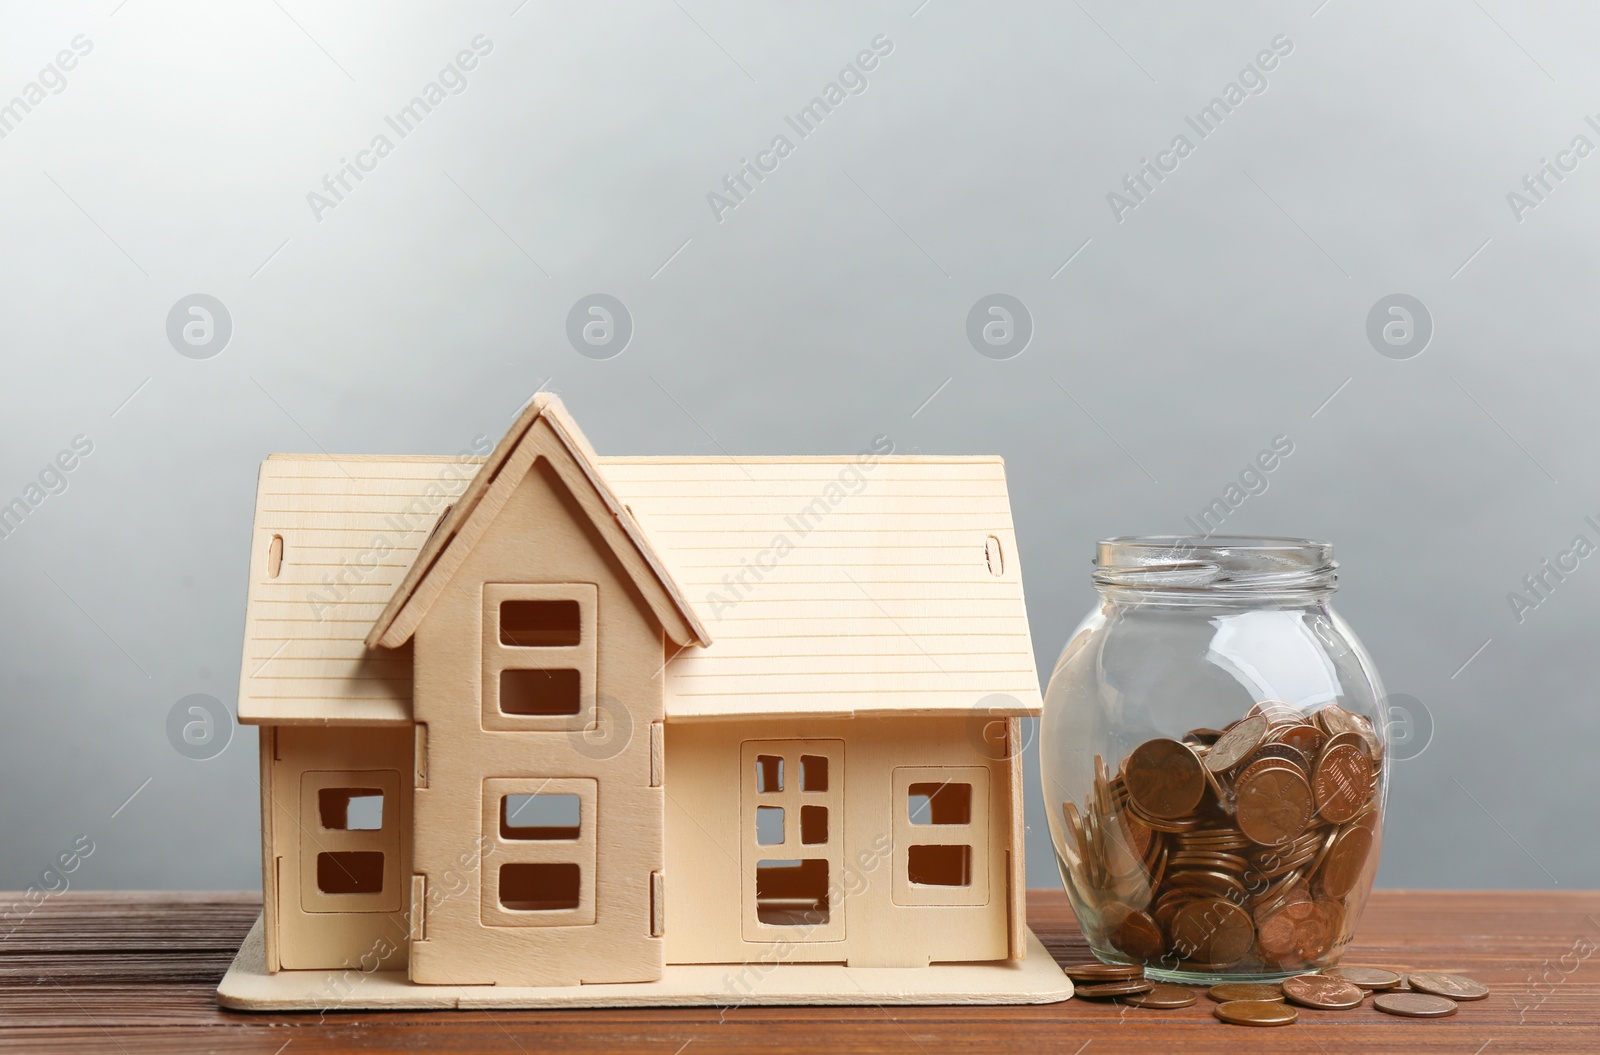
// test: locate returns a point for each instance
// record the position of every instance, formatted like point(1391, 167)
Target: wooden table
point(136, 973)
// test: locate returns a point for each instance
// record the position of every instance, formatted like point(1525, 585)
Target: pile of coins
point(1421, 994)
point(1231, 850)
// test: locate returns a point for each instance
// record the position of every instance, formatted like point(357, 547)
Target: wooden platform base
point(1037, 980)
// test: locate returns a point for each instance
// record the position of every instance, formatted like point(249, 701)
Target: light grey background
point(1227, 309)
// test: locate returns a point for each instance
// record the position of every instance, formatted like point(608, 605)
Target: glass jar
point(1213, 760)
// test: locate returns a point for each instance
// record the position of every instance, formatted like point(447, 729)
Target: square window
point(539, 692)
point(792, 893)
point(939, 865)
point(540, 624)
point(769, 825)
point(769, 773)
point(350, 872)
point(539, 887)
point(813, 825)
point(539, 816)
point(350, 809)
point(813, 773)
point(940, 803)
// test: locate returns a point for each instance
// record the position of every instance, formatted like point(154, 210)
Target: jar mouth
point(1228, 564)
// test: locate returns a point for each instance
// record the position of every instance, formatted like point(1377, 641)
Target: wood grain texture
point(136, 973)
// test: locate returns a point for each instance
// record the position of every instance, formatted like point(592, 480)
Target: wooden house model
point(553, 728)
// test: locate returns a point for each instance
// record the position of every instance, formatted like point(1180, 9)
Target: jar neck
point(1231, 571)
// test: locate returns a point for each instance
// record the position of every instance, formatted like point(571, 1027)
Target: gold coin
point(1365, 977)
point(1165, 779)
point(1342, 782)
point(1232, 747)
point(1244, 991)
point(1256, 1013)
point(1414, 1005)
point(1165, 997)
point(1103, 972)
point(1274, 802)
point(1326, 994)
point(1454, 986)
point(1126, 987)
point(1343, 865)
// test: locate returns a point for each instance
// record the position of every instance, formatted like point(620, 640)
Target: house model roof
point(850, 585)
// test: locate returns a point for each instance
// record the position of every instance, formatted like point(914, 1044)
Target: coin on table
point(1103, 972)
point(1126, 987)
point(1414, 1005)
point(1256, 1013)
point(1342, 866)
point(1365, 977)
point(1325, 994)
point(1165, 779)
point(1273, 802)
point(1164, 997)
point(1244, 991)
point(1342, 782)
point(1454, 986)
point(1232, 746)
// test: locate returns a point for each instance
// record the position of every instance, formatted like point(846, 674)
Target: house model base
point(1036, 980)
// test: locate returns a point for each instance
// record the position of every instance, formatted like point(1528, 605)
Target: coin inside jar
point(1165, 779)
point(1342, 782)
point(1256, 1013)
point(1134, 933)
point(1273, 802)
point(1323, 993)
point(1232, 746)
point(1454, 986)
point(1163, 996)
point(1345, 860)
point(1212, 930)
point(1414, 1005)
point(1365, 977)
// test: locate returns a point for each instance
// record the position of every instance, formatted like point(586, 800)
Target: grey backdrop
point(1172, 338)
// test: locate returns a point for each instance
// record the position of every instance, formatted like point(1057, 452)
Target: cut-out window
point(539, 692)
point(813, 825)
point(540, 887)
point(792, 893)
point(940, 803)
point(350, 809)
point(274, 556)
point(540, 624)
point(813, 773)
point(769, 825)
point(350, 872)
point(949, 865)
point(539, 817)
point(993, 556)
point(769, 773)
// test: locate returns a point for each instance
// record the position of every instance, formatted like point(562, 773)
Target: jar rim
point(1231, 564)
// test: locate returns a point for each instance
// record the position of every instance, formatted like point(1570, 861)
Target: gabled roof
point(832, 585)
point(543, 419)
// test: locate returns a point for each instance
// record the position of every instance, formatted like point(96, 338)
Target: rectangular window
point(542, 835)
point(539, 656)
point(349, 841)
point(791, 807)
point(941, 844)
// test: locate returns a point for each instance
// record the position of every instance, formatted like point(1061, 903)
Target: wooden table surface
point(137, 973)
